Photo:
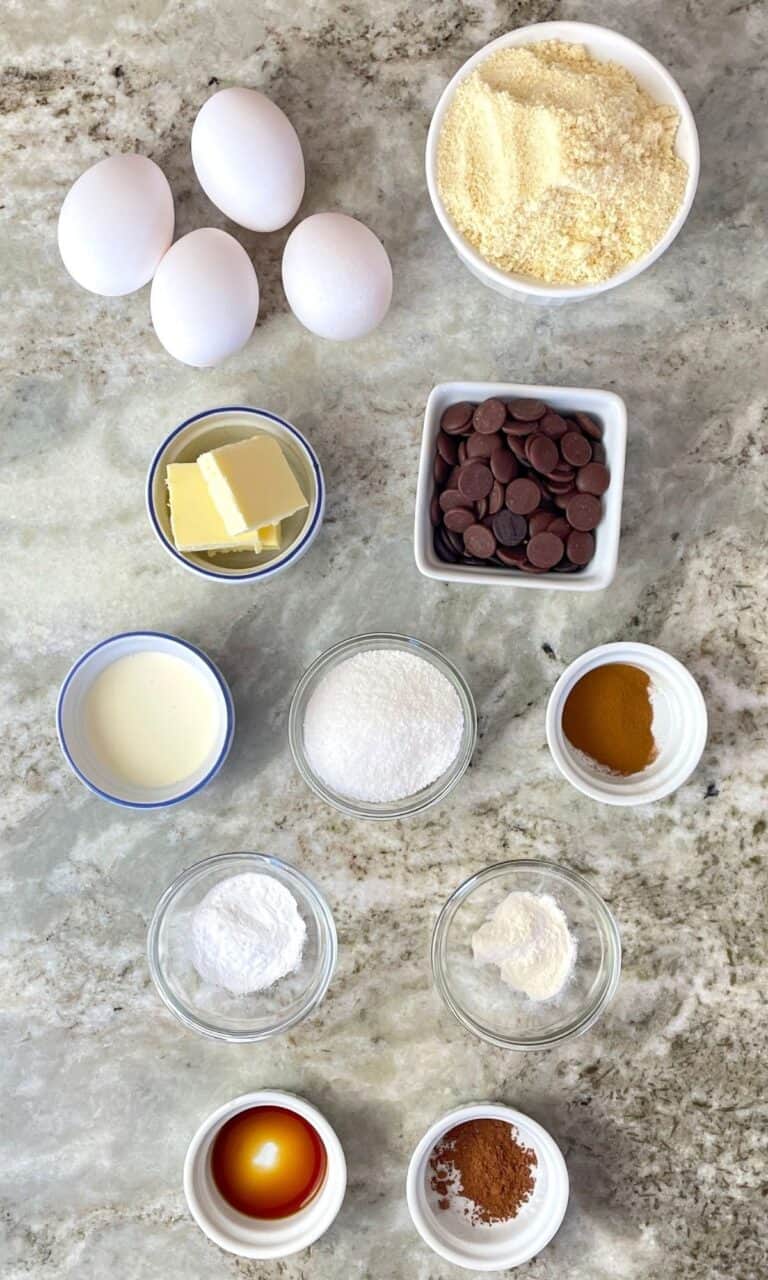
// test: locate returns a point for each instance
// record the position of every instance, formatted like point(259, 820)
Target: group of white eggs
point(116, 232)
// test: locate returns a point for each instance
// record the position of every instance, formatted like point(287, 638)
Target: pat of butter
point(251, 484)
point(196, 524)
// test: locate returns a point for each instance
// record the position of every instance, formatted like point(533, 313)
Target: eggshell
point(337, 276)
point(115, 224)
point(248, 159)
point(205, 298)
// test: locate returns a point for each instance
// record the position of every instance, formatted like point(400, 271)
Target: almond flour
point(559, 167)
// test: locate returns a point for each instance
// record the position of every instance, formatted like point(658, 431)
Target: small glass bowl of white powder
point(526, 954)
point(382, 726)
point(242, 946)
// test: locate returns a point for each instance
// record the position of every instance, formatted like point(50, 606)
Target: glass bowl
point(211, 1010)
point(475, 993)
point(420, 800)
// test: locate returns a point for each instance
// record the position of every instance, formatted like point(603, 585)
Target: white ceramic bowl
point(500, 1245)
point(78, 749)
point(679, 727)
point(608, 408)
point(210, 1010)
point(607, 46)
point(209, 430)
point(261, 1237)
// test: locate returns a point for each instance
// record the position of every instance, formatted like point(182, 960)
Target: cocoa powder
point(483, 1161)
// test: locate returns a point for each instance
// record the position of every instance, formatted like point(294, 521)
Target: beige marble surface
point(659, 1109)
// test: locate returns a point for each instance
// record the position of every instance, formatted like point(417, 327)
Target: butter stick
point(195, 522)
point(251, 484)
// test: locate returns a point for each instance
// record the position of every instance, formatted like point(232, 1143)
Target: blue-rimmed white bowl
point(79, 749)
point(211, 429)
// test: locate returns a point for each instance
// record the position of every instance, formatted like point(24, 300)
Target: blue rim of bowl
point(226, 745)
point(267, 570)
point(183, 1013)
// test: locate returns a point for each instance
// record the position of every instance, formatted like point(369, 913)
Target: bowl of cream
point(145, 720)
point(241, 946)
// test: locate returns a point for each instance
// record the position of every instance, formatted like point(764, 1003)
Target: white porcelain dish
point(209, 430)
point(679, 726)
point(608, 408)
point(500, 1245)
point(210, 1010)
point(605, 45)
point(261, 1237)
point(78, 750)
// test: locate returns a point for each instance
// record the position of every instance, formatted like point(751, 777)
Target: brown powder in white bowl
point(559, 167)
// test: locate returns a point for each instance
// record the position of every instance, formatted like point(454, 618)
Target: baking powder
point(528, 938)
point(246, 933)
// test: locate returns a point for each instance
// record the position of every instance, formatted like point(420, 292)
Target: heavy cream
point(151, 719)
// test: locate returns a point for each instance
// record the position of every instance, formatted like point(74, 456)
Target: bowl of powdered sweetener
point(382, 726)
point(241, 946)
point(526, 954)
point(562, 160)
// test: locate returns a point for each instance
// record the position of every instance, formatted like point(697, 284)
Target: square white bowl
point(609, 410)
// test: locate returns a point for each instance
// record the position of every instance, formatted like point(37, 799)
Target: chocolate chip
point(447, 449)
point(583, 511)
point(475, 480)
point(523, 496)
point(461, 452)
point(444, 548)
point(481, 508)
point(489, 416)
point(561, 500)
point(575, 449)
point(456, 417)
point(510, 529)
point(451, 498)
point(482, 446)
point(598, 451)
point(503, 464)
point(527, 410)
point(594, 478)
point(479, 541)
point(545, 550)
point(454, 540)
point(512, 558)
point(542, 453)
point(459, 519)
point(588, 425)
point(434, 510)
point(517, 445)
point(560, 526)
point(518, 429)
point(580, 547)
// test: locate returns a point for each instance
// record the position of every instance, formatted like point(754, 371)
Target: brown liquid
point(268, 1162)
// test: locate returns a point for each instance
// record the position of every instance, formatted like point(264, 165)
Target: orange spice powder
point(608, 715)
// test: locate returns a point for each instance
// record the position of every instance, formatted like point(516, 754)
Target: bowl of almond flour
point(562, 160)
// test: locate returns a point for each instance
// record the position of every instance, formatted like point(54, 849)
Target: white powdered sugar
point(382, 725)
point(528, 938)
point(246, 933)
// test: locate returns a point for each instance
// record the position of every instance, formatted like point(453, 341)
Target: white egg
point(205, 298)
point(337, 276)
point(115, 224)
point(248, 159)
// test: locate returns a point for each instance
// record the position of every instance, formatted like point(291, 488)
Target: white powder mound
point(247, 933)
point(528, 938)
point(382, 725)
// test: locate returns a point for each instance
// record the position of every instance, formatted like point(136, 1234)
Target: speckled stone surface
point(657, 1109)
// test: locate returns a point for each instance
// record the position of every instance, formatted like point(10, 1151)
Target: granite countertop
point(657, 1108)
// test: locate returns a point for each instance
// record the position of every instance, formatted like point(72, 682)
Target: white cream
point(151, 719)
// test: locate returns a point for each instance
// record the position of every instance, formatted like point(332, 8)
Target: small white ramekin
point(605, 45)
point(609, 410)
point(78, 751)
point(209, 430)
point(503, 1244)
point(261, 1237)
point(679, 724)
